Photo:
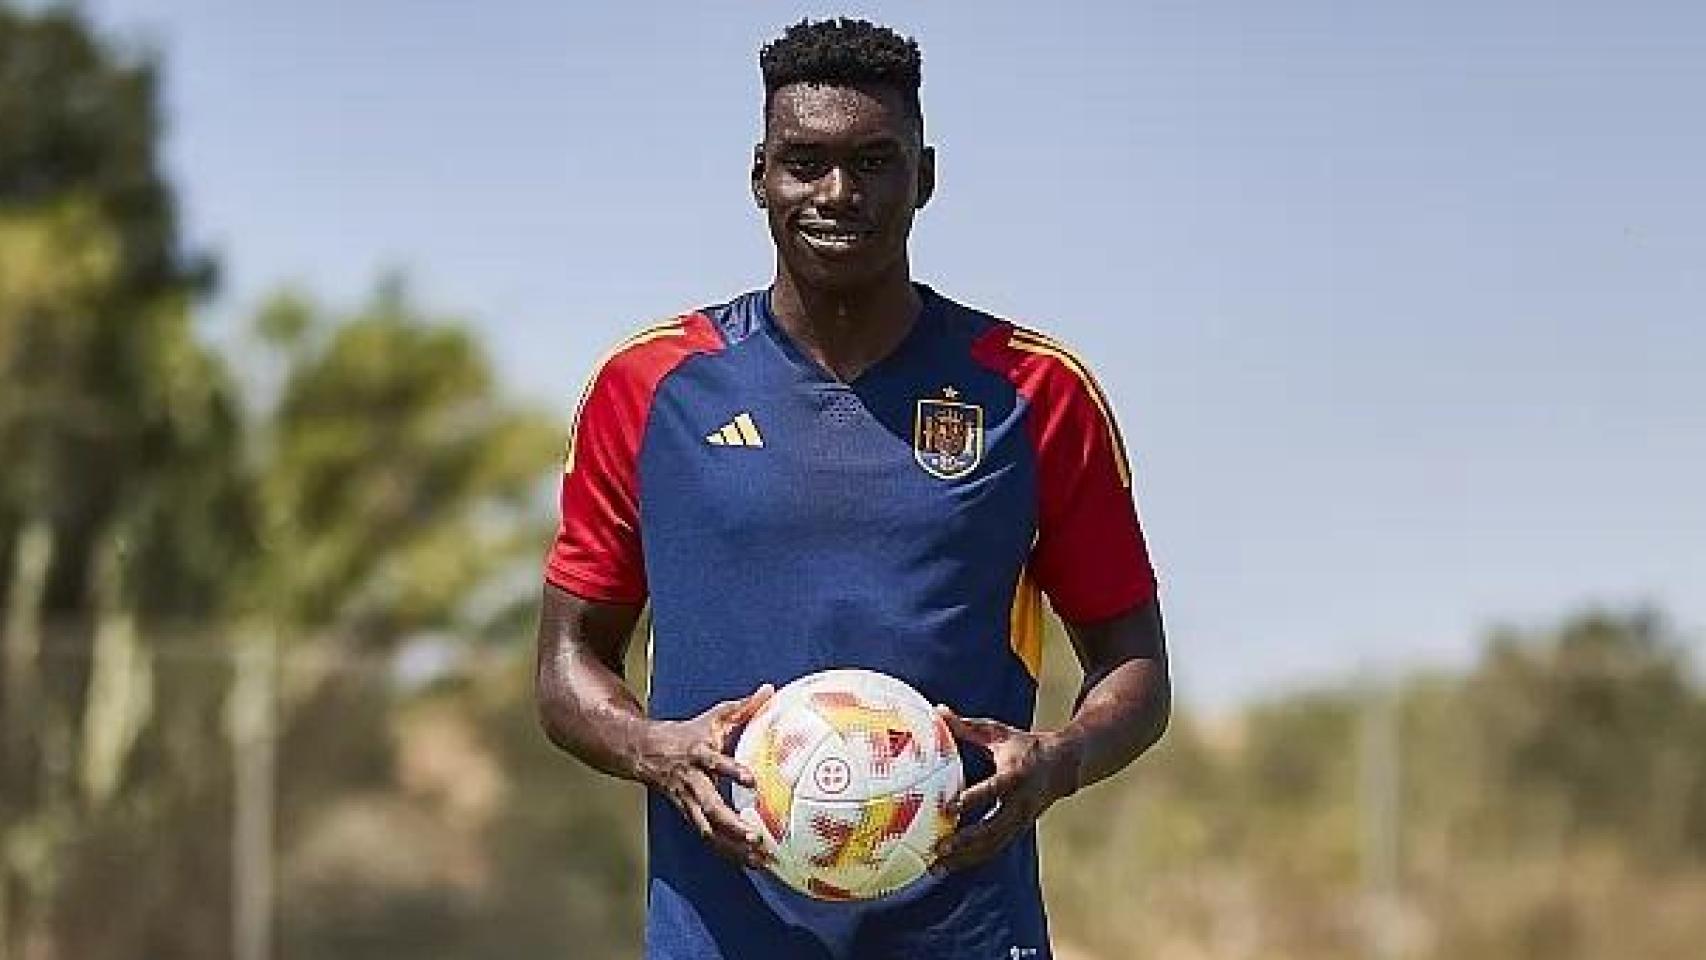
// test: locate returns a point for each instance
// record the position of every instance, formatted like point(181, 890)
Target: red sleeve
point(596, 554)
point(1089, 557)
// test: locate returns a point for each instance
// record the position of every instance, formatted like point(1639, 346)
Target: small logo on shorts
point(832, 775)
point(1020, 953)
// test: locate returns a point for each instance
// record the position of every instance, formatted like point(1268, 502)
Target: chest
point(927, 456)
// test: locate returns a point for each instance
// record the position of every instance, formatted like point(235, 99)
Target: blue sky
point(1402, 307)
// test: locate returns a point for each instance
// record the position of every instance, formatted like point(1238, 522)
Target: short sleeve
point(1090, 556)
point(597, 552)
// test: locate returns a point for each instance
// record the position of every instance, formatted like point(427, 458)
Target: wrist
point(641, 748)
point(1064, 759)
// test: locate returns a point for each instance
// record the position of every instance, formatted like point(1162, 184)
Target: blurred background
point(1403, 311)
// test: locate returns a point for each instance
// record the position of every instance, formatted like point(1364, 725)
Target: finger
point(979, 842)
point(683, 799)
point(731, 714)
point(743, 709)
point(985, 792)
point(729, 834)
point(722, 765)
point(696, 814)
point(978, 731)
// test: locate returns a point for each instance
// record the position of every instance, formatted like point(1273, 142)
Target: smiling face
point(840, 173)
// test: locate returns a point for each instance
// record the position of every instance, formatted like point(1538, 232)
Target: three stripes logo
point(739, 432)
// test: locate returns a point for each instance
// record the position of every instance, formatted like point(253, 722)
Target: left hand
point(1031, 773)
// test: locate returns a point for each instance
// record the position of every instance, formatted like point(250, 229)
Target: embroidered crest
point(947, 437)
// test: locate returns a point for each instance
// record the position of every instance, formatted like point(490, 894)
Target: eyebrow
point(884, 141)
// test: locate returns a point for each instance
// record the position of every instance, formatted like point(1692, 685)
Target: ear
point(758, 174)
point(926, 177)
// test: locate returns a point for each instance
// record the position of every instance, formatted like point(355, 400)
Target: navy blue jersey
point(782, 522)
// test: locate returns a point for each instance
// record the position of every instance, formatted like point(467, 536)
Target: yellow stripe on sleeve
point(1031, 342)
point(672, 328)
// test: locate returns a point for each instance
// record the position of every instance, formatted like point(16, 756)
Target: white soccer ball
point(854, 772)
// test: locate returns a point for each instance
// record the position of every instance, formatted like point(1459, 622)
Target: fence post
point(254, 762)
point(1380, 819)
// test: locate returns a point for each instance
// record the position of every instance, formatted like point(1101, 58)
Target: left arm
point(1124, 704)
point(1121, 711)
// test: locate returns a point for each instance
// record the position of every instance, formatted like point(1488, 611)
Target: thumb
point(981, 732)
point(742, 710)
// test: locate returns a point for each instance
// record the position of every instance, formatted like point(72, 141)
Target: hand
point(680, 758)
point(1031, 773)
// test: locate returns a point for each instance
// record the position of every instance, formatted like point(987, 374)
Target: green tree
point(1597, 728)
point(148, 525)
point(119, 436)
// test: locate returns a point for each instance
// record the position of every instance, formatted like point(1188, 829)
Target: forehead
point(825, 113)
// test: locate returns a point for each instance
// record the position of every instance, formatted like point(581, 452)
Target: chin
point(839, 276)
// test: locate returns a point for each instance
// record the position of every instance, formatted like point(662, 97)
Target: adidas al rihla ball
point(854, 771)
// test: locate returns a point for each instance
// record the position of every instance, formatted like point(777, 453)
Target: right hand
point(680, 758)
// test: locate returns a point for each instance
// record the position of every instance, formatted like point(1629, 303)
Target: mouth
point(832, 238)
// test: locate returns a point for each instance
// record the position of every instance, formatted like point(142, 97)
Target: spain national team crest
point(947, 438)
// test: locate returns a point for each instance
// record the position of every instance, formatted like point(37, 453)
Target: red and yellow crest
point(947, 437)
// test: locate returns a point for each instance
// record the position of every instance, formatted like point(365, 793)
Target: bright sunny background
point(1403, 309)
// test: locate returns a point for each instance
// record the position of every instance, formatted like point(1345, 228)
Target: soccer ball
point(853, 771)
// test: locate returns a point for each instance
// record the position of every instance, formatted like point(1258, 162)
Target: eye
point(804, 166)
point(874, 163)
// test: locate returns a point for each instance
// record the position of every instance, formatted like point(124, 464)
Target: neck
point(846, 331)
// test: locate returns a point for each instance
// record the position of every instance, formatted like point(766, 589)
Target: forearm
point(587, 710)
point(1120, 714)
point(585, 706)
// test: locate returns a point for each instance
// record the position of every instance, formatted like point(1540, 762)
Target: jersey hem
point(1129, 600)
point(596, 591)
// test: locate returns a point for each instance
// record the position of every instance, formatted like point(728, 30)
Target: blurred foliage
point(1549, 805)
point(154, 520)
point(375, 507)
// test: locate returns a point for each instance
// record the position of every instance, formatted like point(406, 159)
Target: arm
point(1124, 704)
point(587, 709)
point(1121, 711)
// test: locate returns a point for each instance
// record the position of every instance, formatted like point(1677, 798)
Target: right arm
point(587, 709)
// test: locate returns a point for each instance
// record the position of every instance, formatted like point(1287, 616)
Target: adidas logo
point(739, 432)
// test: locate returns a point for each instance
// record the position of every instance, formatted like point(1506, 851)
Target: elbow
point(552, 712)
point(1161, 714)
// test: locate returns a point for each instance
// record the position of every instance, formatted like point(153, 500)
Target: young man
point(846, 469)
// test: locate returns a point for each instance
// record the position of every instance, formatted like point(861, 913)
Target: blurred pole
point(20, 646)
point(254, 746)
point(5, 910)
point(1380, 827)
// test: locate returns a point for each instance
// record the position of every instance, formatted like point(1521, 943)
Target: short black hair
point(843, 52)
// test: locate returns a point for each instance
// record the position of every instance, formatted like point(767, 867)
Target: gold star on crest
point(950, 392)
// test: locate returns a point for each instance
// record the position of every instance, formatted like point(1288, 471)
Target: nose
point(838, 189)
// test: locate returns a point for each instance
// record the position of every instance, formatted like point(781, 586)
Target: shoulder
point(1066, 405)
point(648, 354)
point(625, 380)
point(1042, 368)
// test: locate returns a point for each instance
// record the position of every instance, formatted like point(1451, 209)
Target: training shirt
point(782, 522)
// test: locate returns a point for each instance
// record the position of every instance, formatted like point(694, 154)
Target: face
point(840, 174)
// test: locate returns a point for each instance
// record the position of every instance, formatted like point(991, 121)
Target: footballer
point(846, 468)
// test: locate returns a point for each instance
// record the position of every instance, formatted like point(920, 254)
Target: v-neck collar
point(818, 373)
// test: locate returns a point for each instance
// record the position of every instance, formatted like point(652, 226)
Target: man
point(845, 470)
